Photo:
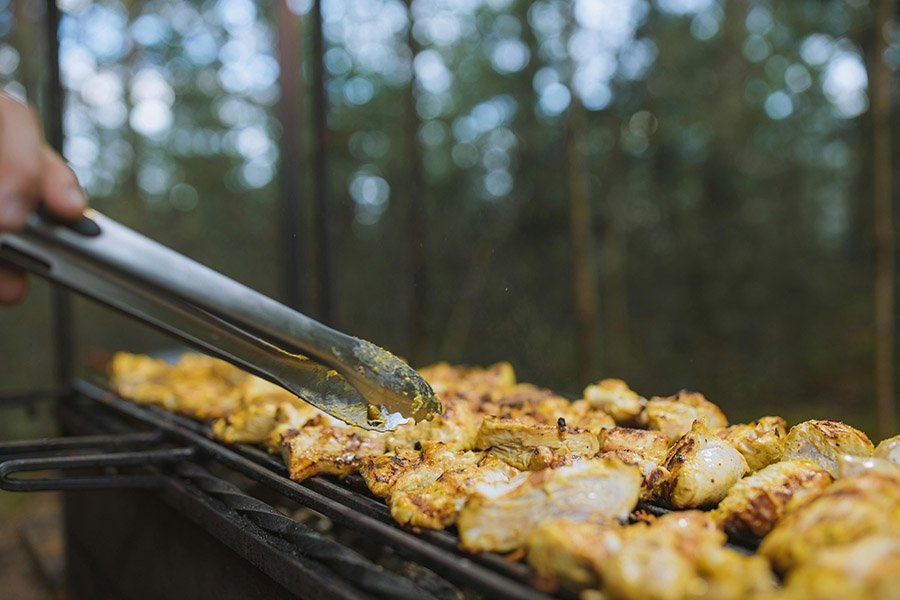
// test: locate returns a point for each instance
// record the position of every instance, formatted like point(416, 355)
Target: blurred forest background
point(676, 192)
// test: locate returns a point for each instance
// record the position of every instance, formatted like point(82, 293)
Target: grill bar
point(437, 552)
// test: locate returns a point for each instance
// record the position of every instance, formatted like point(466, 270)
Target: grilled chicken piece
point(436, 505)
point(322, 448)
point(866, 568)
point(823, 441)
point(603, 487)
point(681, 556)
point(701, 469)
point(519, 444)
point(249, 425)
point(197, 386)
point(848, 510)
point(640, 447)
point(563, 550)
point(889, 449)
point(444, 377)
point(761, 442)
point(756, 503)
point(650, 445)
point(614, 397)
point(675, 415)
point(850, 466)
point(456, 428)
point(408, 468)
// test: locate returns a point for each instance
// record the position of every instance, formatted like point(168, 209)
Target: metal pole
point(61, 303)
point(293, 160)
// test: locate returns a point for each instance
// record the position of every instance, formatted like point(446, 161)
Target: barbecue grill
point(209, 518)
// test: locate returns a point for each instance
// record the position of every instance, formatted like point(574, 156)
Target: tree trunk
point(324, 219)
point(416, 215)
point(884, 223)
point(291, 109)
point(583, 263)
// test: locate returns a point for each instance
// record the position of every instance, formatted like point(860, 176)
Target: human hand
point(30, 173)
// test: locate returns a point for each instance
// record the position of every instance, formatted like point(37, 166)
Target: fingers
point(21, 161)
point(60, 190)
point(13, 284)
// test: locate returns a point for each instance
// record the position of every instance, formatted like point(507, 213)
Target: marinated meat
point(756, 503)
point(519, 444)
point(866, 568)
point(614, 397)
point(604, 487)
point(761, 442)
point(650, 445)
point(675, 415)
point(564, 550)
point(435, 505)
point(889, 449)
point(823, 441)
point(333, 449)
point(680, 556)
point(850, 509)
point(701, 469)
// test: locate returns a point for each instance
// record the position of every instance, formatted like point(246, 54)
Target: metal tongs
point(349, 378)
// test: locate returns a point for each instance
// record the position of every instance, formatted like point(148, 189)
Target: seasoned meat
point(249, 425)
point(602, 487)
point(198, 386)
point(865, 568)
point(823, 441)
point(889, 449)
point(518, 444)
point(701, 469)
point(410, 469)
point(614, 397)
point(564, 550)
point(436, 504)
point(470, 381)
point(850, 509)
point(650, 445)
point(456, 428)
point(681, 556)
point(761, 442)
point(333, 449)
point(756, 503)
point(675, 415)
point(850, 466)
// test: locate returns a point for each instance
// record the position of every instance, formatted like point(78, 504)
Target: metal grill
point(147, 447)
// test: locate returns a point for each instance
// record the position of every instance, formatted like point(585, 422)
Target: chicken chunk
point(197, 386)
point(850, 509)
point(756, 503)
point(332, 449)
point(823, 441)
point(436, 505)
point(470, 381)
point(250, 425)
point(456, 428)
point(614, 397)
point(603, 487)
point(866, 568)
point(675, 415)
point(564, 550)
point(681, 556)
point(519, 444)
point(850, 466)
point(650, 445)
point(889, 449)
point(408, 468)
point(761, 442)
point(701, 469)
